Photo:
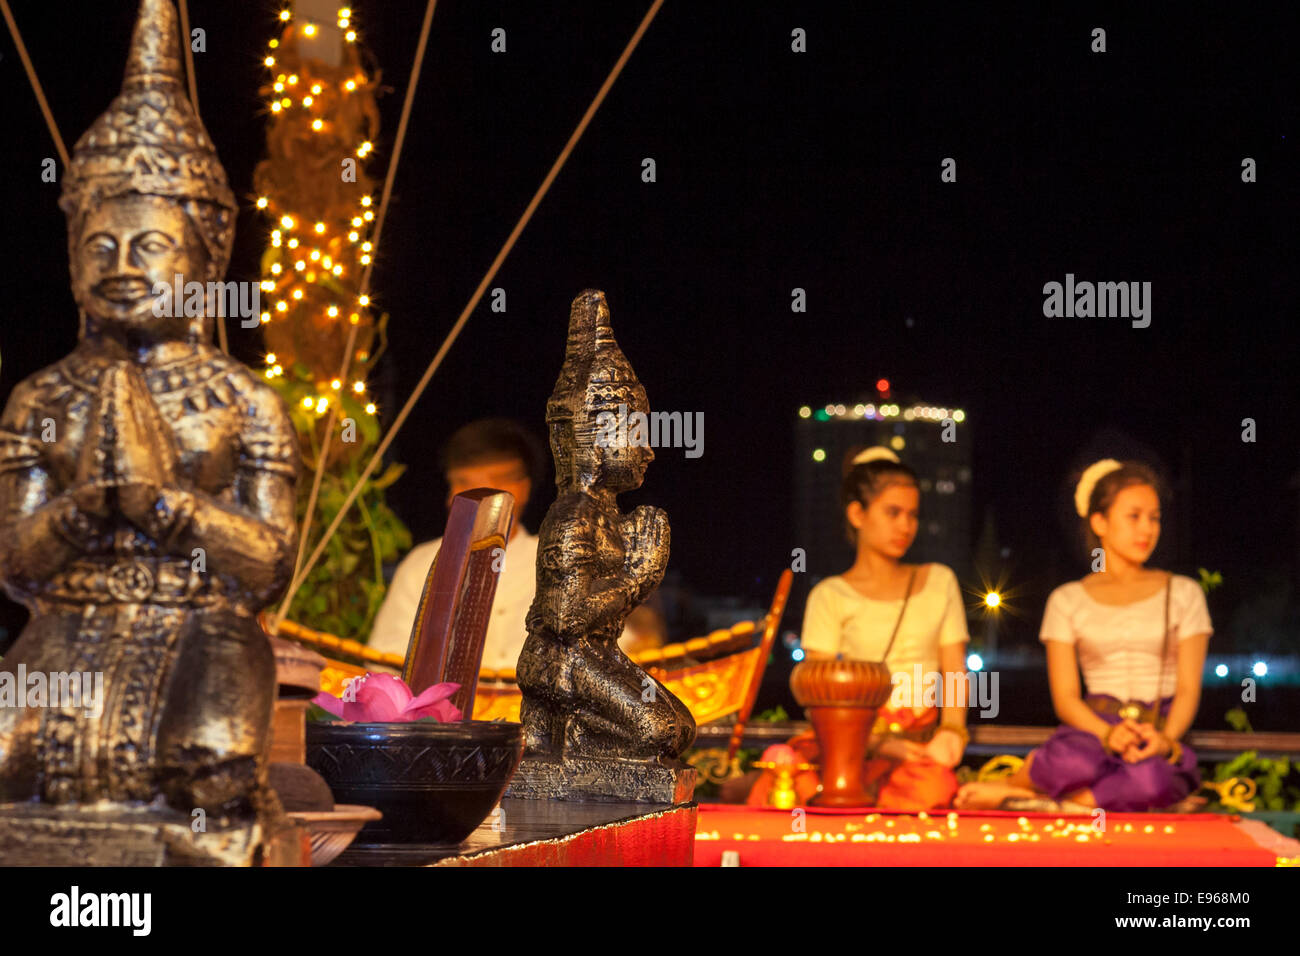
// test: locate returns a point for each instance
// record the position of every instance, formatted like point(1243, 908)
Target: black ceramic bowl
point(434, 783)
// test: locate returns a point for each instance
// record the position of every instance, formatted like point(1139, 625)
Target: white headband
point(1091, 475)
point(877, 453)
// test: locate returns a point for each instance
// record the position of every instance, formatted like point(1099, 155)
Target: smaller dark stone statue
point(596, 725)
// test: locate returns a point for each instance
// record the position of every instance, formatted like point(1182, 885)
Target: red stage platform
point(865, 837)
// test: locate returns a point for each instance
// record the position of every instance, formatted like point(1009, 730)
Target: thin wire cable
point(189, 55)
point(222, 340)
point(36, 84)
point(473, 303)
point(342, 377)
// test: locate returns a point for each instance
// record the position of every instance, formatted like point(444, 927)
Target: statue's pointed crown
point(596, 375)
point(150, 141)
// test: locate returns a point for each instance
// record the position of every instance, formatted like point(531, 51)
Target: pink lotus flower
point(383, 698)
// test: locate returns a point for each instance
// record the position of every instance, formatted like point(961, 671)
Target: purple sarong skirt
point(1073, 759)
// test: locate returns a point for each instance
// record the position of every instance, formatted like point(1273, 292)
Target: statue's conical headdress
point(596, 377)
point(151, 142)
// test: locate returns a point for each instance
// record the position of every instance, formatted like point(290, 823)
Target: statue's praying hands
point(141, 453)
point(645, 541)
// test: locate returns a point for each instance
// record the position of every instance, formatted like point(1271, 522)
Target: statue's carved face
point(128, 245)
point(623, 462)
point(625, 467)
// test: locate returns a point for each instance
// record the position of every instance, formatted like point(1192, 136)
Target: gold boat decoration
point(712, 675)
point(1235, 793)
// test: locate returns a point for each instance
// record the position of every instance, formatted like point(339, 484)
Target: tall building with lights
point(915, 431)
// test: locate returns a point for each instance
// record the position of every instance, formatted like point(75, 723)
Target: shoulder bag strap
point(1164, 653)
point(903, 610)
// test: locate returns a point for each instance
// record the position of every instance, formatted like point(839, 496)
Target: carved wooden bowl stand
point(841, 698)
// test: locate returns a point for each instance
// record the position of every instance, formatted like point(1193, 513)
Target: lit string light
point(885, 411)
point(289, 279)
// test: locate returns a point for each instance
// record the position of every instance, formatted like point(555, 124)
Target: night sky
point(779, 170)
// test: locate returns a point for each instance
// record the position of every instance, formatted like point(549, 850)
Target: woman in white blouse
point(1140, 637)
point(862, 614)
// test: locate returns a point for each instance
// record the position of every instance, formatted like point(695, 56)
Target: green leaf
point(390, 475)
point(1235, 767)
point(317, 712)
point(1238, 720)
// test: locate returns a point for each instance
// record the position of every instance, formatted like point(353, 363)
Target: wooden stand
point(34, 834)
point(841, 698)
point(842, 733)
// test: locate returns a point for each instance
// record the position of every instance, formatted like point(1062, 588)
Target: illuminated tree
point(320, 206)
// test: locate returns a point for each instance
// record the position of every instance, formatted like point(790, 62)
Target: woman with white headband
point(907, 615)
point(1139, 635)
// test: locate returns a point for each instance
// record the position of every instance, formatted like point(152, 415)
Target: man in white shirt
point(489, 453)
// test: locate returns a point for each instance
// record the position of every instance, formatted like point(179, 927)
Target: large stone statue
point(146, 514)
point(596, 725)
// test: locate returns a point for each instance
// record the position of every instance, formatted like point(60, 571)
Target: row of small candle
point(1059, 829)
